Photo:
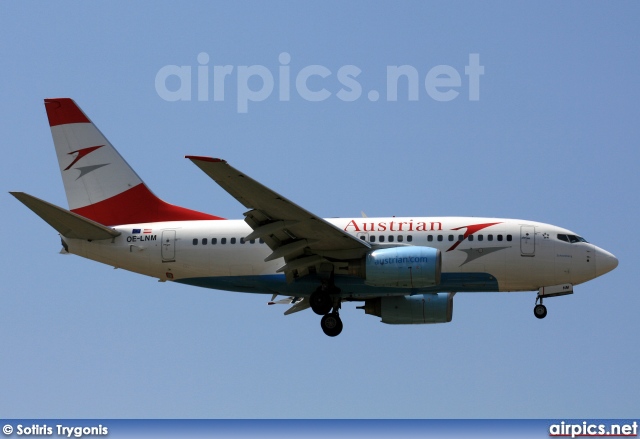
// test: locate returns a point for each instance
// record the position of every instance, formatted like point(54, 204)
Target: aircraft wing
point(303, 239)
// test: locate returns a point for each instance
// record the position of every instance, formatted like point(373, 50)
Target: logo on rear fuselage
point(139, 235)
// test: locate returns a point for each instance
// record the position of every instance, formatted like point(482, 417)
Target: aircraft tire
point(321, 302)
point(540, 311)
point(331, 324)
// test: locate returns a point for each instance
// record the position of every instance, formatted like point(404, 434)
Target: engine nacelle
point(408, 310)
point(404, 267)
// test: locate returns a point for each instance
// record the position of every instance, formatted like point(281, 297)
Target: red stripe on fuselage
point(138, 205)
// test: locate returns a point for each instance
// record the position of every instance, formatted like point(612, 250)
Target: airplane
point(404, 270)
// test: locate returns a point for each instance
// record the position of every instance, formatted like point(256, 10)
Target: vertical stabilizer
point(99, 183)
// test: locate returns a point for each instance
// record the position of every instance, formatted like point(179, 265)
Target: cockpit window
point(571, 238)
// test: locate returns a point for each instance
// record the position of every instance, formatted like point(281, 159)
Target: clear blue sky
point(553, 138)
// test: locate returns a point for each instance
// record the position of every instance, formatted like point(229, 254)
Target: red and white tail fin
point(99, 184)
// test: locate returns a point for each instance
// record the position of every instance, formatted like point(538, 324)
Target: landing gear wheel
point(540, 311)
point(331, 324)
point(321, 302)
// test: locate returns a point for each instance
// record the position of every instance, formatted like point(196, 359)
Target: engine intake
point(408, 310)
point(404, 267)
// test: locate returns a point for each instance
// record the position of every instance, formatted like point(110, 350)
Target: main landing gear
point(322, 301)
point(331, 324)
point(540, 311)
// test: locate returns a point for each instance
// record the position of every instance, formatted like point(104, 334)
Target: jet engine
point(404, 267)
point(408, 310)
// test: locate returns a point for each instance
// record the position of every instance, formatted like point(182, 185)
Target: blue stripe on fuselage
point(349, 285)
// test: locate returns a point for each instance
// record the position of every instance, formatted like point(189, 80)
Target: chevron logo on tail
point(81, 153)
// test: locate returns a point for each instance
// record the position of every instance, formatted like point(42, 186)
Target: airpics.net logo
point(314, 83)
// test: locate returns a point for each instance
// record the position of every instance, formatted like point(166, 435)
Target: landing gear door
point(528, 240)
point(168, 245)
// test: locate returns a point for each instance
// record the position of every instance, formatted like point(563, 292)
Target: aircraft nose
point(605, 261)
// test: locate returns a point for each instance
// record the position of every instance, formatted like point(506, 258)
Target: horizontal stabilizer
point(68, 224)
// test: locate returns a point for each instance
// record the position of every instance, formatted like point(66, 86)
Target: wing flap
point(268, 228)
point(68, 224)
point(299, 306)
point(294, 247)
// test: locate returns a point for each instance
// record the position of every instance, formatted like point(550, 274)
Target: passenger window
point(470, 238)
point(509, 237)
point(204, 241)
point(233, 240)
point(261, 241)
point(372, 238)
point(480, 238)
point(400, 238)
point(242, 241)
point(460, 238)
point(195, 241)
point(214, 241)
point(409, 238)
point(489, 237)
point(253, 241)
point(390, 238)
point(430, 238)
point(364, 238)
point(223, 240)
point(381, 238)
point(499, 237)
point(440, 237)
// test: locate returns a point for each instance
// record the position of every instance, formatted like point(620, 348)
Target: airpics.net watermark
point(312, 83)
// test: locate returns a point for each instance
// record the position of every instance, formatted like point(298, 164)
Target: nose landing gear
point(540, 311)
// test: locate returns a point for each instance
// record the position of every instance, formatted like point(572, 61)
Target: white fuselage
point(406, 270)
point(478, 254)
